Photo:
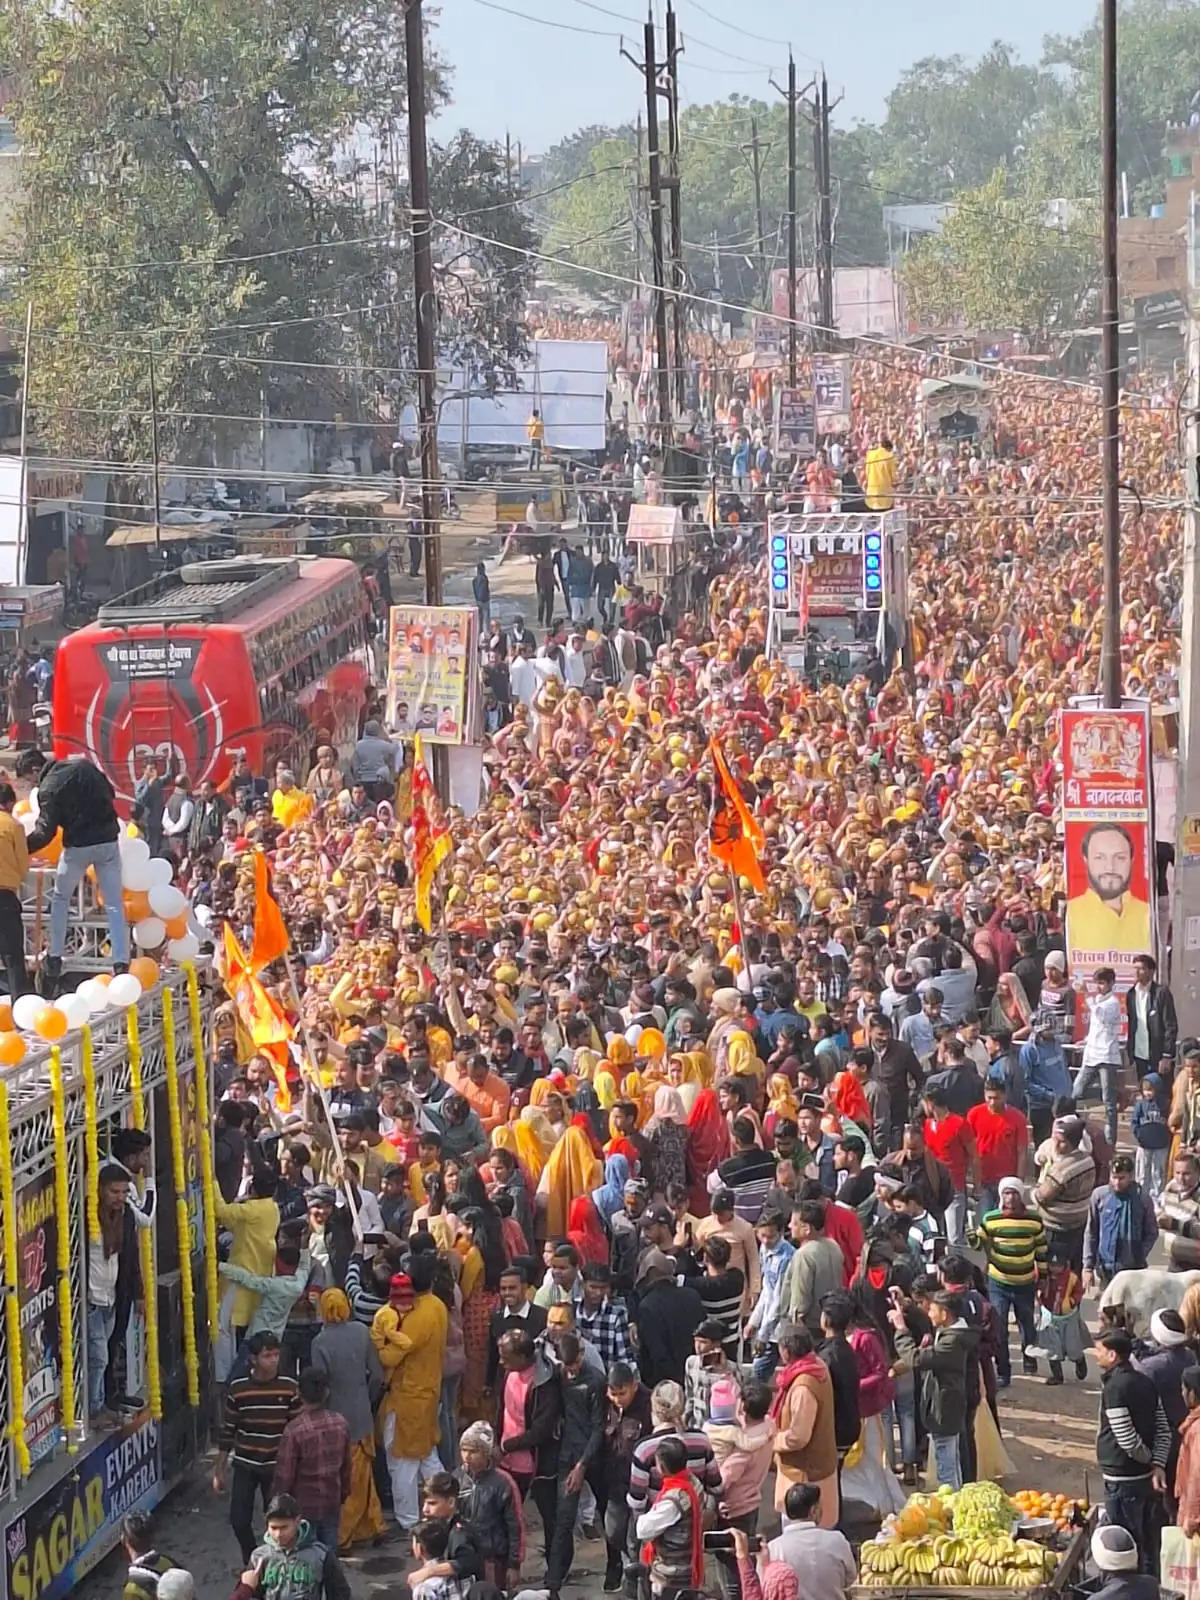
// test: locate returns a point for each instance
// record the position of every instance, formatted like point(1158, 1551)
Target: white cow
point(1142, 1291)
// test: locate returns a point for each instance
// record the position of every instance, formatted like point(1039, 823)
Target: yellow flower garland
point(211, 1284)
point(145, 1249)
point(12, 1308)
point(62, 1204)
point(91, 1137)
point(187, 1289)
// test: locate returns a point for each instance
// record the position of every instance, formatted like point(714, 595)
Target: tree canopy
point(211, 182)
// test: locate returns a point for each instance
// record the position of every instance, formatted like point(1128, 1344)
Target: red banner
point(1108, 838)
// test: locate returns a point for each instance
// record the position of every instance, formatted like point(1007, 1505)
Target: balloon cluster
point(156, 908)
point(163, 928)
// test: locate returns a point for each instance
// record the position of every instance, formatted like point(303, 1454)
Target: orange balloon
point(6, 1017)
point(12, 1049)
point(102, 978)
point(48, 855)
point(177, 926)
point(50, 1023)
point(145, 970)
point(136, 903)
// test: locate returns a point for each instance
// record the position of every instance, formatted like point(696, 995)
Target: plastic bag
point(1180, 1563)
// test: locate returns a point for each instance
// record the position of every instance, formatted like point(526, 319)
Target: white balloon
point(28, 821)
point(166, 901)
point(633, 1033)
point(149, 933)
point(185, 949)
point(34, 803)
point(76, 1008)
point(135, 874)
point(161, 872)
point(25, 1009)
point(124, 990)
point(132, 849)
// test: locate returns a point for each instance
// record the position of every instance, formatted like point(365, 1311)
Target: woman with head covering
point(573, 1169)
point(781, 1102)
point(344, 1353)
point(707, 1146)
point(609, 1198)
point(667, 1133)
point(1010, 1006)
point(483, 1263)
point(535, 1140)
point(684, 1076)
point(605, 1086)
point(586, 1231)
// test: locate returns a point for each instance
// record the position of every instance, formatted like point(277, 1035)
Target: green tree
point(997, 265)
point(590, 224)
point(209, 182)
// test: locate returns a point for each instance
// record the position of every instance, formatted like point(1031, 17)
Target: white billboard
point(565, 380)
point(868, 302)
point(12, 520)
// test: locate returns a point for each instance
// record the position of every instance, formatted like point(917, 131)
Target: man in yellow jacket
point(881, 468)
point(14, 864)
point(253, 1223)
point(412, 1351)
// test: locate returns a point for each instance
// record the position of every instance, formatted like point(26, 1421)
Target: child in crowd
point(1148, 1124)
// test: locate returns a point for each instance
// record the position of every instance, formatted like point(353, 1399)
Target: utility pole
point(635, 210)
point(792, 96)
point(154, 454)
point(1184, 976)
point(824, 217)
point(678, 318)
point(508, 163)
point(421, 229)
point(1110, 645)
point(756, 173)
point(649, 70)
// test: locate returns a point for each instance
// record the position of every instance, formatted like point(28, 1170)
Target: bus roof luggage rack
point(204, 591)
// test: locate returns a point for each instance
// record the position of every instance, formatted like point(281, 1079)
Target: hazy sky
point(541, 82)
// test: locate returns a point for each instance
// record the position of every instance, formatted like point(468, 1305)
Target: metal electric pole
point(421, 228)
point(1110, 646)
point(824, 217)
point(1184, 976)
point(792, 96)
point(649, 70)
point(678, 314)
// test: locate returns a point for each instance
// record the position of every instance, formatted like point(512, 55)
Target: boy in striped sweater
point(1014, 1242)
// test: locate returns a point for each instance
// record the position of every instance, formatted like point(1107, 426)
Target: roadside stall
point(956, 408)
point(664, 547)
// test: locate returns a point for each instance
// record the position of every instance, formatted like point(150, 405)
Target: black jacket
point(623, 1431)
point(584, 1401)
point(76, 797)
point(543, 1419)
point(1134, 1434)
point(1162, 1025)
point(489, 1504)
point(668, 1314)
point(843, 1369)
point(942, 1369)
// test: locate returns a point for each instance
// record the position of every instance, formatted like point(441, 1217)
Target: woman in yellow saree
point(572, 1170)
point(535, 1140)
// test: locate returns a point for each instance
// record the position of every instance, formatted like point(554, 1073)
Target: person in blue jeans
point(77, 797)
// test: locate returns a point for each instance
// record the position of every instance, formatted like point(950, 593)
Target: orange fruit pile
point(1041, 1503)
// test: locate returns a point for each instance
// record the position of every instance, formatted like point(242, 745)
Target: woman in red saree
point(586, 1232)
point(708, 1144)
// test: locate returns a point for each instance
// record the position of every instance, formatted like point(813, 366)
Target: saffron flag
point(260, 1015)
point(270, 935)
point(802, 607)
point(431, 836)
point(734, 835)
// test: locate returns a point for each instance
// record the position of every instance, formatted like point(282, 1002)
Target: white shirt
point(1102, 1047)
point(1141, 1029)
point(523, 678)
point(821, 1558)
point(576, 661)
point(102, 1276)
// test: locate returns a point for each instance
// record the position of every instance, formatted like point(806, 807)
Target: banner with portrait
point(432, 654)
point(1108, 838)
point(831, 393)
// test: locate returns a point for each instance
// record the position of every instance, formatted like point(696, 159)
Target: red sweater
point(844, 1228)
point(1002, 1139)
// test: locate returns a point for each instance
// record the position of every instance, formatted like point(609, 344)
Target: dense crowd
point(646, 1212)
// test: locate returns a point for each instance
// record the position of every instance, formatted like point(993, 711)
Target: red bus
point(252, 656)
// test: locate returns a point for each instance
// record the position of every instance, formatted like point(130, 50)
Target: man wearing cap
point(1120, 1231)
point(1114, 1554)
point(1014, 1242)
point(1132, 1445)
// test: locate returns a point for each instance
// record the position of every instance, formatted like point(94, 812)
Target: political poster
point(54, 1543)
point(1107, 838)
point(431, 655)
point(37, 1296)
point(795, 425)
point(831, 393)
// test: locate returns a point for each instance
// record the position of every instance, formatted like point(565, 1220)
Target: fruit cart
point(928, 1548)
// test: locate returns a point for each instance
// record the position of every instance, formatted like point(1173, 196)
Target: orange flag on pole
point(260, 1015)
point(270, 935)
point(734, 835)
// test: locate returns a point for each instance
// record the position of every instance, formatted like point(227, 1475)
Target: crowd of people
point(626, 1211)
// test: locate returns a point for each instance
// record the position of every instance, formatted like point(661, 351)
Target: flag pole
point(743, 976)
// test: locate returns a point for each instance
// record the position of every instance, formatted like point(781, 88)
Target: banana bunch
point(943, 1561)
point(879, 1558)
